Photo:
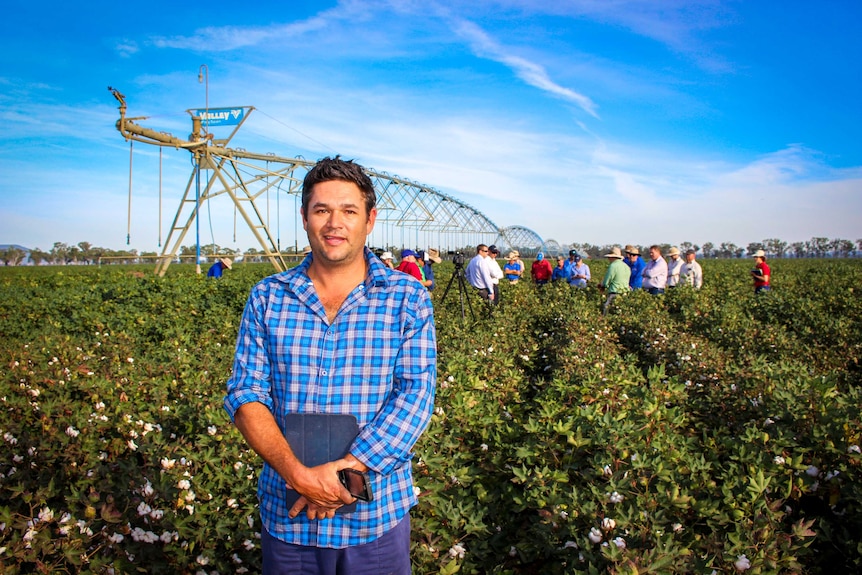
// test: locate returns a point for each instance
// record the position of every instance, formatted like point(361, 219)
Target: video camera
point(457, 259)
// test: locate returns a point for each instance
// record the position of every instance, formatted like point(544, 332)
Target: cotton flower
point(812, 471)
point(46, 515)
point(132, 445)
point(742, 563)
point(183, 484)
point(484, 447)
point(619, 542)
point(595, 535)
point(458, 551)
point(72, 432)
point(608, 524)
point(212, 429)
point(513, 551)
point(28, 537)
point(779, 460)
point(854, 449)
point(615, 497)
point(168, 463)
point(144, 509)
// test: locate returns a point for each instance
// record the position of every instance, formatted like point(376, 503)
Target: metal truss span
point(409, 214)
point(526, 241)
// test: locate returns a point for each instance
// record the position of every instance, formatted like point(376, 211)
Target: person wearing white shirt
point(496, 271)
point(478, 273)
point(655, 272)
point(674, 267)
point(692, 273)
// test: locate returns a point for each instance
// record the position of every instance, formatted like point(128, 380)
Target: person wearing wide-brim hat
point(761, 272)
point(636, 264)
point(674, 266)
point(426, 259)
point(217, 269)
point(386, 258)
point(616, 280)
point(513, 267)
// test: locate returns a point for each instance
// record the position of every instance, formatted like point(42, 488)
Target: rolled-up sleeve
point(251, 379)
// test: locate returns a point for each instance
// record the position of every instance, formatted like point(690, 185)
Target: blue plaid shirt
point(377, 361)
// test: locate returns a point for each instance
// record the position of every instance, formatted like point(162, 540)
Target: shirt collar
point(376, 275)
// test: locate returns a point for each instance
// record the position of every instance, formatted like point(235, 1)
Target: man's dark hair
point(329, 169)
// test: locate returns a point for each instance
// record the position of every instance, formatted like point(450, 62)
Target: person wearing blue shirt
point(579, 272)
point(570, 263)
point(217, 269)
point(637, 266)
point(339, 334)
point(429, 258)
point(560, 271)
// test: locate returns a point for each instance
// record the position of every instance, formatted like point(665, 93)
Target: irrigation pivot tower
point(410, 214)
point(234, 173)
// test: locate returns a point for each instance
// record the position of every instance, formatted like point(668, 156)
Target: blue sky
point(600, 121)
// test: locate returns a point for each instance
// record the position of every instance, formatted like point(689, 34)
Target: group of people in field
point(627, 271)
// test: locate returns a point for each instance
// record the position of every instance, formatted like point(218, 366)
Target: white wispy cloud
point(530, 72)
point(227, 38)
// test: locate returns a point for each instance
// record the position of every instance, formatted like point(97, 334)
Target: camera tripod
point(463, 294)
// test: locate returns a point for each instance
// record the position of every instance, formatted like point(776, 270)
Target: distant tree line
point(816, 247)
point(85, 253)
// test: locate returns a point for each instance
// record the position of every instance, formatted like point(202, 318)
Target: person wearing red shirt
point(408, 264)
point(761, 272)
point(541, 270)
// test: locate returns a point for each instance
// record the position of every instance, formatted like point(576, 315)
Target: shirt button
point(322, 372)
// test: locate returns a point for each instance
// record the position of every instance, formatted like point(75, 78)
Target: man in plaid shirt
point(339, 334)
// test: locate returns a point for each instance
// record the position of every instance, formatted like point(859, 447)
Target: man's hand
point(321, 491)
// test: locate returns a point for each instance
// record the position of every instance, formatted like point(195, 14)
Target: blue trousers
point(387, 555)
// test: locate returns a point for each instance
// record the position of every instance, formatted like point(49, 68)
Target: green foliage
point(675, 435)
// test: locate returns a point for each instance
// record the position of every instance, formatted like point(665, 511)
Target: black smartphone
point(356, 483)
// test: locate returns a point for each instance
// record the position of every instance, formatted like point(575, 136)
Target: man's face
point(632, 257)
point(337, 222)
point(654, 254)
point(689, 258)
